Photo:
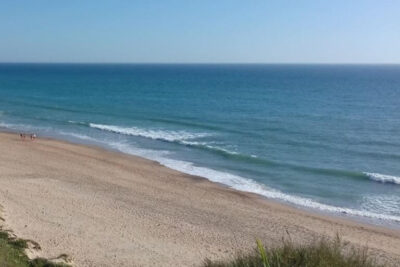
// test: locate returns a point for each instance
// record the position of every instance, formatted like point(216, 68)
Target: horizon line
point(206, 63)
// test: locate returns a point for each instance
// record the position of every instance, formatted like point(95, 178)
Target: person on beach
point(22, 135)
point(33, 137)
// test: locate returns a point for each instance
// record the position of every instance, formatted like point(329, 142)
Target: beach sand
point(104, 208)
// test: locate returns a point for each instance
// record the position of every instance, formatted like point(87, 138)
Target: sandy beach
point(104, 208)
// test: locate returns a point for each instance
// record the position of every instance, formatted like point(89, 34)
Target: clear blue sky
point(281, 31)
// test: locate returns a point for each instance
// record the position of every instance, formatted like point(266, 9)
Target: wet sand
point(104, 208)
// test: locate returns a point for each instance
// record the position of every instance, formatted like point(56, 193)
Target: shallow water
point(325, 137)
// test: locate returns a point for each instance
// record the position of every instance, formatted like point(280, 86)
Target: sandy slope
point(108, 209)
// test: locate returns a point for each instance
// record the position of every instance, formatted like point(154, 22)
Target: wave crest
point(250, 185)
point(382, 178)
point(164, 135)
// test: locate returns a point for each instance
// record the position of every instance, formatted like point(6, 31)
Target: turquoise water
point(325, 137)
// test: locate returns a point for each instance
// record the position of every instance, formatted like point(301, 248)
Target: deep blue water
point(325, 137)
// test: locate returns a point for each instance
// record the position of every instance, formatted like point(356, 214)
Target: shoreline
point(129, 188)
point(341, 213)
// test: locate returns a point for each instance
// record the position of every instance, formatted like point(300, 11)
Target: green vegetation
point(12, 253)
point(321, 253)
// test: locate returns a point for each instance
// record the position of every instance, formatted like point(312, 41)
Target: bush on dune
point(322, 253)
point(12, 253)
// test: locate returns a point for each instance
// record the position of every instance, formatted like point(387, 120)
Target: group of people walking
point(23, 136)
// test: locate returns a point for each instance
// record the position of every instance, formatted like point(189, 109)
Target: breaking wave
point(382, 178)
point(179, 137)
point(248, 185)
point(163, 135)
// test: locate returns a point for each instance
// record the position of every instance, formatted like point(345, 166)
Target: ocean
point(319, 137)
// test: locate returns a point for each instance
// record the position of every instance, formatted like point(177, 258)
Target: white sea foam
point(78, 122)
point(24, 127)
point(231, 180)
point(79, 136)
point(5, 125)
point(382, 202)
point(247, 185)
point(120, 146)
point(10, 125)
point(180, 137)
point(382, 178)
point(156, 155)
point(222, 149)
point(208, 146)
point(165, 135)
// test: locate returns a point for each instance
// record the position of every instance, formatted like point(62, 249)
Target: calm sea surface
point(325, 137)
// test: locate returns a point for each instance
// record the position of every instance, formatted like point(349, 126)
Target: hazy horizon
point(205, 63)
point(206, 32)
